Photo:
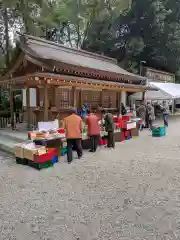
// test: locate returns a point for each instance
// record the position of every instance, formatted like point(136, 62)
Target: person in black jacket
point(109, 128)
point(123, 109)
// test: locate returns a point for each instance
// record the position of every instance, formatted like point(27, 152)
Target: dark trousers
point(17, 118)
point(165, 117)
point(76, 143)
point(150, 124)
point(111, 140)
point(147, 121)
point(94, 142)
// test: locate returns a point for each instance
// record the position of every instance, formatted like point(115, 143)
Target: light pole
point(141, 67)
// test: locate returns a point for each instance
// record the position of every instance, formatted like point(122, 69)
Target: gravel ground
point(130, 193)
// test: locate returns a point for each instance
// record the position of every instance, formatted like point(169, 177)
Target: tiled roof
point(60, 54)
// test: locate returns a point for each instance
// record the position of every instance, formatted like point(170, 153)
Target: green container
point(40, 166)
point(159, 131)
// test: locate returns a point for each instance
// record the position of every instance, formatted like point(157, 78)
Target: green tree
point(69, 21)
point(150, 31)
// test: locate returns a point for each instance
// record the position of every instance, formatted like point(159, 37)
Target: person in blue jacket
point(84, 111)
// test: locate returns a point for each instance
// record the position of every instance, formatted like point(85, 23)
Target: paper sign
point(46, 126)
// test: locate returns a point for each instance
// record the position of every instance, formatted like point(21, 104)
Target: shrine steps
point(8, 138)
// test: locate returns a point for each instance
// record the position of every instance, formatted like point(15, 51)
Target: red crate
point(127, 133)
point(51, 152)
point(123, 136)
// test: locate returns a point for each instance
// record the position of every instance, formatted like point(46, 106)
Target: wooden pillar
point(101, 98)
point(12, 107)
point(46, 102)
point(54, 96)
point(123, 97)
point(38, 96)
point(143, 96)
point(28, 107)
point(74, 103)
point(118, 102)
point(80, 98)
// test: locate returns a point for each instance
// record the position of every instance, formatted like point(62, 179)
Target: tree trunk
point(6, 27)
point(25, 15)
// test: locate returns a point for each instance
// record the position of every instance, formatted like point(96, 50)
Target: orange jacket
point(93, 125)
point(73, 126)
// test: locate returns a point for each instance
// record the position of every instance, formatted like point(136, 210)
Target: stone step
point(13, 135)
point(9, 138)
point(7, 144)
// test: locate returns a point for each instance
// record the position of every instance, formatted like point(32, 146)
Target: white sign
point(32, 95)
point(46, 126)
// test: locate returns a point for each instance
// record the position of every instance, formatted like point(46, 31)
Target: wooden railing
point(5, 122)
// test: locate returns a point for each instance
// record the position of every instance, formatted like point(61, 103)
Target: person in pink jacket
point(92, 122)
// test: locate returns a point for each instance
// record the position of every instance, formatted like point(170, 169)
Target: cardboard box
point(118, 136)
point(19, 150)
point(30, 152)
point(135, 132)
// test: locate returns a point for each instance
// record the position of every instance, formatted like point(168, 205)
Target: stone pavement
point(130, 193)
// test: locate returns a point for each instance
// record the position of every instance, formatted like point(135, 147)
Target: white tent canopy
point(167, 91)
point(171, 89)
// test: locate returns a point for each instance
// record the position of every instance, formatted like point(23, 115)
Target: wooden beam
point(54, 96)
point(46, 102)
point(118, 100)
point(12, 107)
point(96, 86)
point(37, 96)
point(143, 96)
point(74, 103)
point(28, 107)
